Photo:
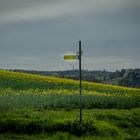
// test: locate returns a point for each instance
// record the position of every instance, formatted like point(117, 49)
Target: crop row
point(10, 99)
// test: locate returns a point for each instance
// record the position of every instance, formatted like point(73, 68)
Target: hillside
point(19, 81)
point(124, 77)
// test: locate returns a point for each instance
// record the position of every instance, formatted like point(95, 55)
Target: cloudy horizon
point(36, 34)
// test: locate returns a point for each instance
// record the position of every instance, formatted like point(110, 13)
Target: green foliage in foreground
point(99, 123)
point(56, 136)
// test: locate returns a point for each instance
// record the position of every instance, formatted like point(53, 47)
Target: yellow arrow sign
point(70, 57)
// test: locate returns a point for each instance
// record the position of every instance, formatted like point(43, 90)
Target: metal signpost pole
point(74, 57)
point(80, 86)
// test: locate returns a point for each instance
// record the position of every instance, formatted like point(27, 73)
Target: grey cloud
point(109, 31)
point(22, 10)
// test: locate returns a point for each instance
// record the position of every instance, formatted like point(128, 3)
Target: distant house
point(55, 74)
point(107, 78)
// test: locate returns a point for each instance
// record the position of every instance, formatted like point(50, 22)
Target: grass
point(57, 136)
point(97, 123)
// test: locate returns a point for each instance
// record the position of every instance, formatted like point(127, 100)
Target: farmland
point(33, 104)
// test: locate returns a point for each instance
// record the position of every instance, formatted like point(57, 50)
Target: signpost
point(78, 57)
point(70, 57)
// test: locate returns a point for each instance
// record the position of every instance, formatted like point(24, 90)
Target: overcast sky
point(35, 34)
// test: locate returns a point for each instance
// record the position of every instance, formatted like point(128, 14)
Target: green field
point(41, 107)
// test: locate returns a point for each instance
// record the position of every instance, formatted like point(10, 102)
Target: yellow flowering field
point(19, 89)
